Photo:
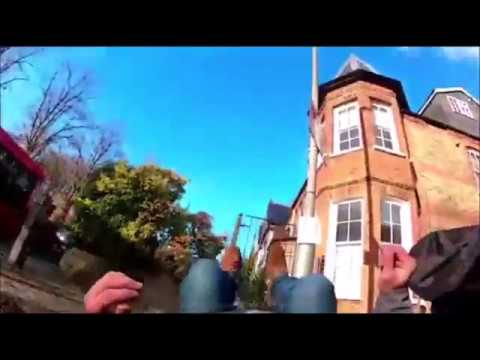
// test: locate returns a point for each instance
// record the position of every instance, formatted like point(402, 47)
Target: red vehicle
point(19, 176)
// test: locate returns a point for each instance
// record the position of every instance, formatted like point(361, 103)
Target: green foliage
point(127, 213)
point(253, 287)
point(175, 256)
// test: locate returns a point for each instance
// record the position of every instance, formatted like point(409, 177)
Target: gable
point(439, 109)
point(453, 90)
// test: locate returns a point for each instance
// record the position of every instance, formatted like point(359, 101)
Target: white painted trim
point(460, 106)
point(446, 90)
point(336, 132)
point(331, 246)
point(333, 155)
point(407, 230)
point(392, 125)
point(473, 154)
point(405, 221)
point(330, 250)
point(398, 153)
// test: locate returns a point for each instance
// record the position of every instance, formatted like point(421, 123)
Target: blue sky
point(231, 120)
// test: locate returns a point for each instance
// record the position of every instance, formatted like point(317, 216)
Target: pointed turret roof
point(354, 63)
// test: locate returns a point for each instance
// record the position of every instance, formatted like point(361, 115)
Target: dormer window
point(459, 106)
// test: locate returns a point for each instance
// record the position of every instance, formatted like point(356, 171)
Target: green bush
point(132, 217)
point(253, 287)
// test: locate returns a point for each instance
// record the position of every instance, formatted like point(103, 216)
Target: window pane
point(342, 212)
point(355, 231)
point(397, 234)
point(343, 135)
point(386, 212)
point(379, 133)
point(354, 132)
point(355, 143)
point(342, 232)
point(342, 122)
point(344, 146)
point(395, 214)
point(453, 103)
point(355, 211)
point(378, 141)
point(388, 144)
point(386, 134)
point(385, 237)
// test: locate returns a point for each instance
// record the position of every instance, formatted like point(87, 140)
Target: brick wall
point(432, 172)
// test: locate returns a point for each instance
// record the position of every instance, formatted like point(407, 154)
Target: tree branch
point(11, 59)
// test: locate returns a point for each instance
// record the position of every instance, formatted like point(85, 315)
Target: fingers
point(113, 280)
point(402, 258)
point(407, 262)
point(123, 309)
point(388, 258)
point(110, 297)
point(111, 289)
point(401, 252)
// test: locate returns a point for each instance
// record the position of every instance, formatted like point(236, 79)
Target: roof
point(354, 63)
point(277, 214)
point(20, 155)
point(368, 76)
point(300, 192)
point(440, 124)
point(434, 92)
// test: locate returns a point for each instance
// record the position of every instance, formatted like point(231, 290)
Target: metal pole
point(305, 252)
point(236, 230)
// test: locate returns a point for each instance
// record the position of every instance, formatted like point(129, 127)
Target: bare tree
point(59, 115)
point(72, 169)
point(12, 66)
point(14, 60)
point(94, 152)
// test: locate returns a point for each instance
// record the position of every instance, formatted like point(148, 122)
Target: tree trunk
point(18, 246)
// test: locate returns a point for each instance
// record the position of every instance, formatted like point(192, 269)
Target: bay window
point(386, 134)
point(347, 135)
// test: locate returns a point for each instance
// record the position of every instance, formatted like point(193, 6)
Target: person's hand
point(232, 259)
point(397, 266)
point(113, 293)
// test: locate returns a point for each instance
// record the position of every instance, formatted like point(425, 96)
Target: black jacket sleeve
point(396, 301)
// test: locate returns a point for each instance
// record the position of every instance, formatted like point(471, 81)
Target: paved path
point(39, 286)
point(40, 297)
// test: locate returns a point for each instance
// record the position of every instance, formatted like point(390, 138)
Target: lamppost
point(308, 224)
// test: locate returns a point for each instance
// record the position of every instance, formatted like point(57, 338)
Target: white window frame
point(331, 247)
point(342, 243)
point(459, 106)
point(336, 129)
point(405, 222)
point(474, 156)
point(390, 126)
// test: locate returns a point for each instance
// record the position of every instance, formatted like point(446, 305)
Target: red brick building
point(387, 175)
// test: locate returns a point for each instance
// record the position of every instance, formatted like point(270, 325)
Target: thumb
point(388, 258)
